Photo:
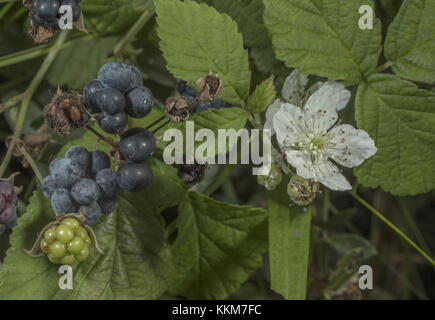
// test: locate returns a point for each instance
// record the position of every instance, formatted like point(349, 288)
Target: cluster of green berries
point(66, 243)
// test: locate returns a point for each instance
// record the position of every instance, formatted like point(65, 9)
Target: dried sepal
point(191, 174)
point(40, 34)
point(209, 87)
point(177, 109)
point(66, 112)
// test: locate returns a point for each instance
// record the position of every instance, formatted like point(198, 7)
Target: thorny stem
point(101, 137)
point(28, 94)
point(393, 227)
point(32, 164)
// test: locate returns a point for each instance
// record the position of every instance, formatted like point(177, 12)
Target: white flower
point(311, 137)
point(294, 91)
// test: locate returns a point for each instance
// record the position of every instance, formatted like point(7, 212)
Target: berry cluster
point(191, 94)
point(82, 182)
point(45, 13)
point(66, 243)
point(8, 202)
point(116, 94)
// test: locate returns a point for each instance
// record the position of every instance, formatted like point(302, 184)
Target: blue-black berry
point(113, 123)
point(137, 145)
point(133, 176)
point(139, 102)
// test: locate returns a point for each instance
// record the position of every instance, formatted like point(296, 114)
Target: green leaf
point(401, 119)
point(410, 43)
point(289, 246)
point(217, 247)
point(104, 17)
point(263, 96)
point(322, 37)
point(77, 65)
point(249, 17)
point(196, 39)
point(344, 243)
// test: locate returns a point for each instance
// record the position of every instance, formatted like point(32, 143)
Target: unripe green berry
point(64, 234)
point(68, 260)
point(44, 245)
point(76, 245)
point(72, 223)
point(50, 235)
point(83, 255)
point(57, 250)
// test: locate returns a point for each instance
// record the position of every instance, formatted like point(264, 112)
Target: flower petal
point(342, 93)
point(323, 171)
point(350, 146)
point(270, 113)
point(294, 87)
point(288, 123)
point(301, 162)
point(330, 176)
point(320, 109)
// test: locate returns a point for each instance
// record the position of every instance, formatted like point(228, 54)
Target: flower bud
point(177, 109)
point(302, 191)
point(209, 87)
point(272, 180)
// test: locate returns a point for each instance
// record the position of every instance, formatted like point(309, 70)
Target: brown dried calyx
point(66, 112)
point(177, 109)
point(209, 87)
point(191, 174)
point(40, 34)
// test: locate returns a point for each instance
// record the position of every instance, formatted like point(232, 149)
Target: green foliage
point(249, 17)
point(410, 43)
point(263, 96)
point(196, 39)
point(107, 17)
point(323, 37)
point(218, 245)
point(401, 119)
point(289, 244)
point(75, 65)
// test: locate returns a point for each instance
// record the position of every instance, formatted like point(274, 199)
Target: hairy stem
point(32, 164)
point(393, 227)
point(11, 102)
point(28, 94)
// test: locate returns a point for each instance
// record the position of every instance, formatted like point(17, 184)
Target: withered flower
point(66, 112)
point(191, 174)
point(209, 87)
point(302, 191)
point(177, 109)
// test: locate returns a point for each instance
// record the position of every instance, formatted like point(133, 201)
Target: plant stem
point(33, 53)
point(32, 164)
point(393, 227)
point(28, 94)
point(101, 137)
point(219, 179)
point(120, 46)
point(11, 102)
